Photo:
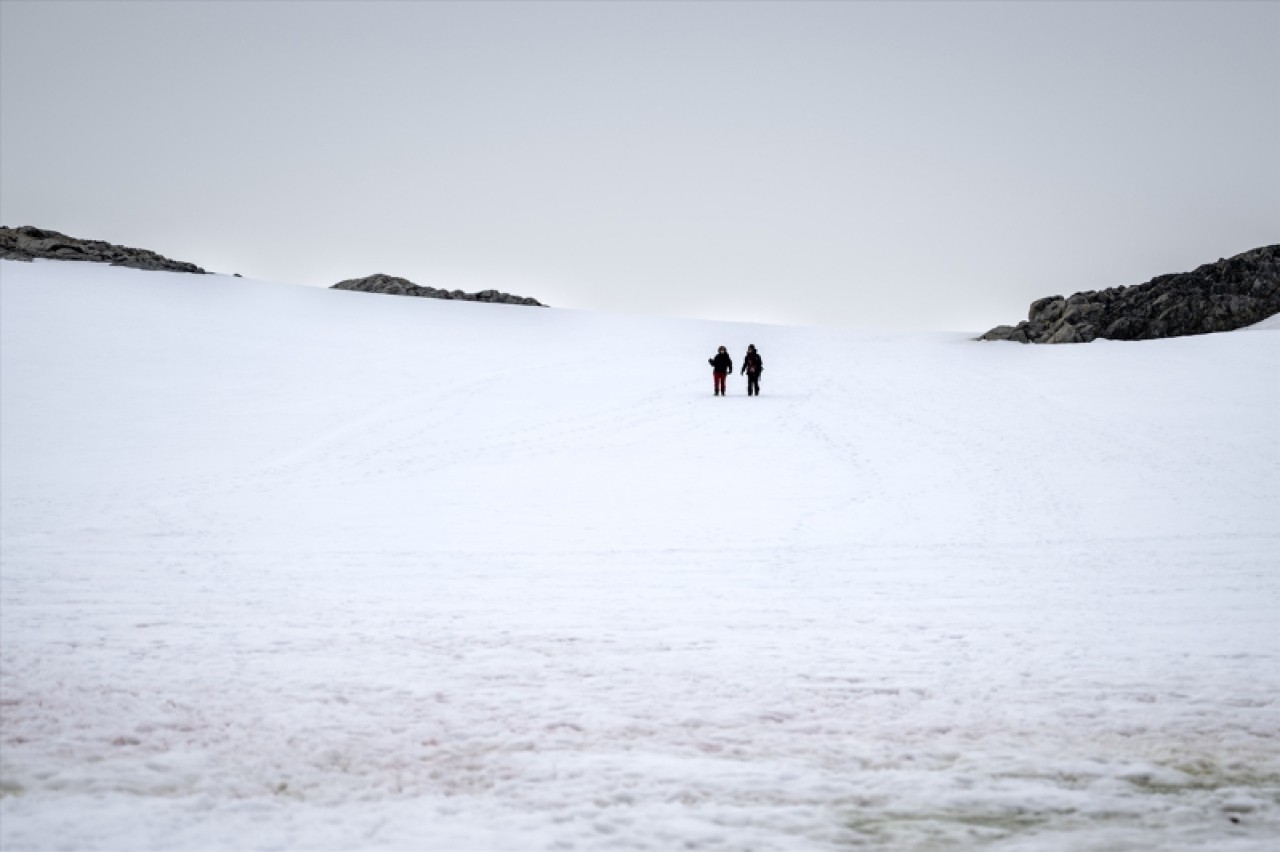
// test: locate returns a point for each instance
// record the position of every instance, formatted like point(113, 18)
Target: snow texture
point(289, 568)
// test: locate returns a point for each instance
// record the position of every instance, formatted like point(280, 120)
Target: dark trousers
point(753, 384)
point(719, 380)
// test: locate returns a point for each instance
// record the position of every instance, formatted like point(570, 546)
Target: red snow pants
point(719, 381)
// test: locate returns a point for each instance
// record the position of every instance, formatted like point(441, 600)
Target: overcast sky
point(904, 165)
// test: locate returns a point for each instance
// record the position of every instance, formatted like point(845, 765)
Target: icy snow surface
point(290, 568)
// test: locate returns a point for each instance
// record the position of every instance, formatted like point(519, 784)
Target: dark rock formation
point(400, 287)
point(1222, 296)
point(28, 243)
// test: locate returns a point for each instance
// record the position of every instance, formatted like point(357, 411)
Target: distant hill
point(28, 243)
point(392, 286)
point(1223, 296)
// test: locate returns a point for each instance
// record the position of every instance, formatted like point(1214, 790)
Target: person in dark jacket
point(721, 366)
point(753, 366)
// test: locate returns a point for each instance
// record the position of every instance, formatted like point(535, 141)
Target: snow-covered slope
point(298, 568)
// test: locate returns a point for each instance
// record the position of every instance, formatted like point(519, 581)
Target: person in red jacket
point(753, 366)
point(721, 366)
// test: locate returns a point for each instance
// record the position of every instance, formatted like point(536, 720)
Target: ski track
point(502, 587)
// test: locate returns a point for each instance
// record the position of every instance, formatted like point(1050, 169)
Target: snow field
point(288, 568)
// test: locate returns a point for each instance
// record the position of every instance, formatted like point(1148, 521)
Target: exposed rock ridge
point(28, 243)
point(1222, 296)
point(393, 286)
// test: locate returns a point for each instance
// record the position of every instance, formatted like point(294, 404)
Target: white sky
point(934, 165)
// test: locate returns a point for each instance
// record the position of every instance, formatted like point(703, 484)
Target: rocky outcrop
point(1222, 296)
point(401, 287)
point(28, 243)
